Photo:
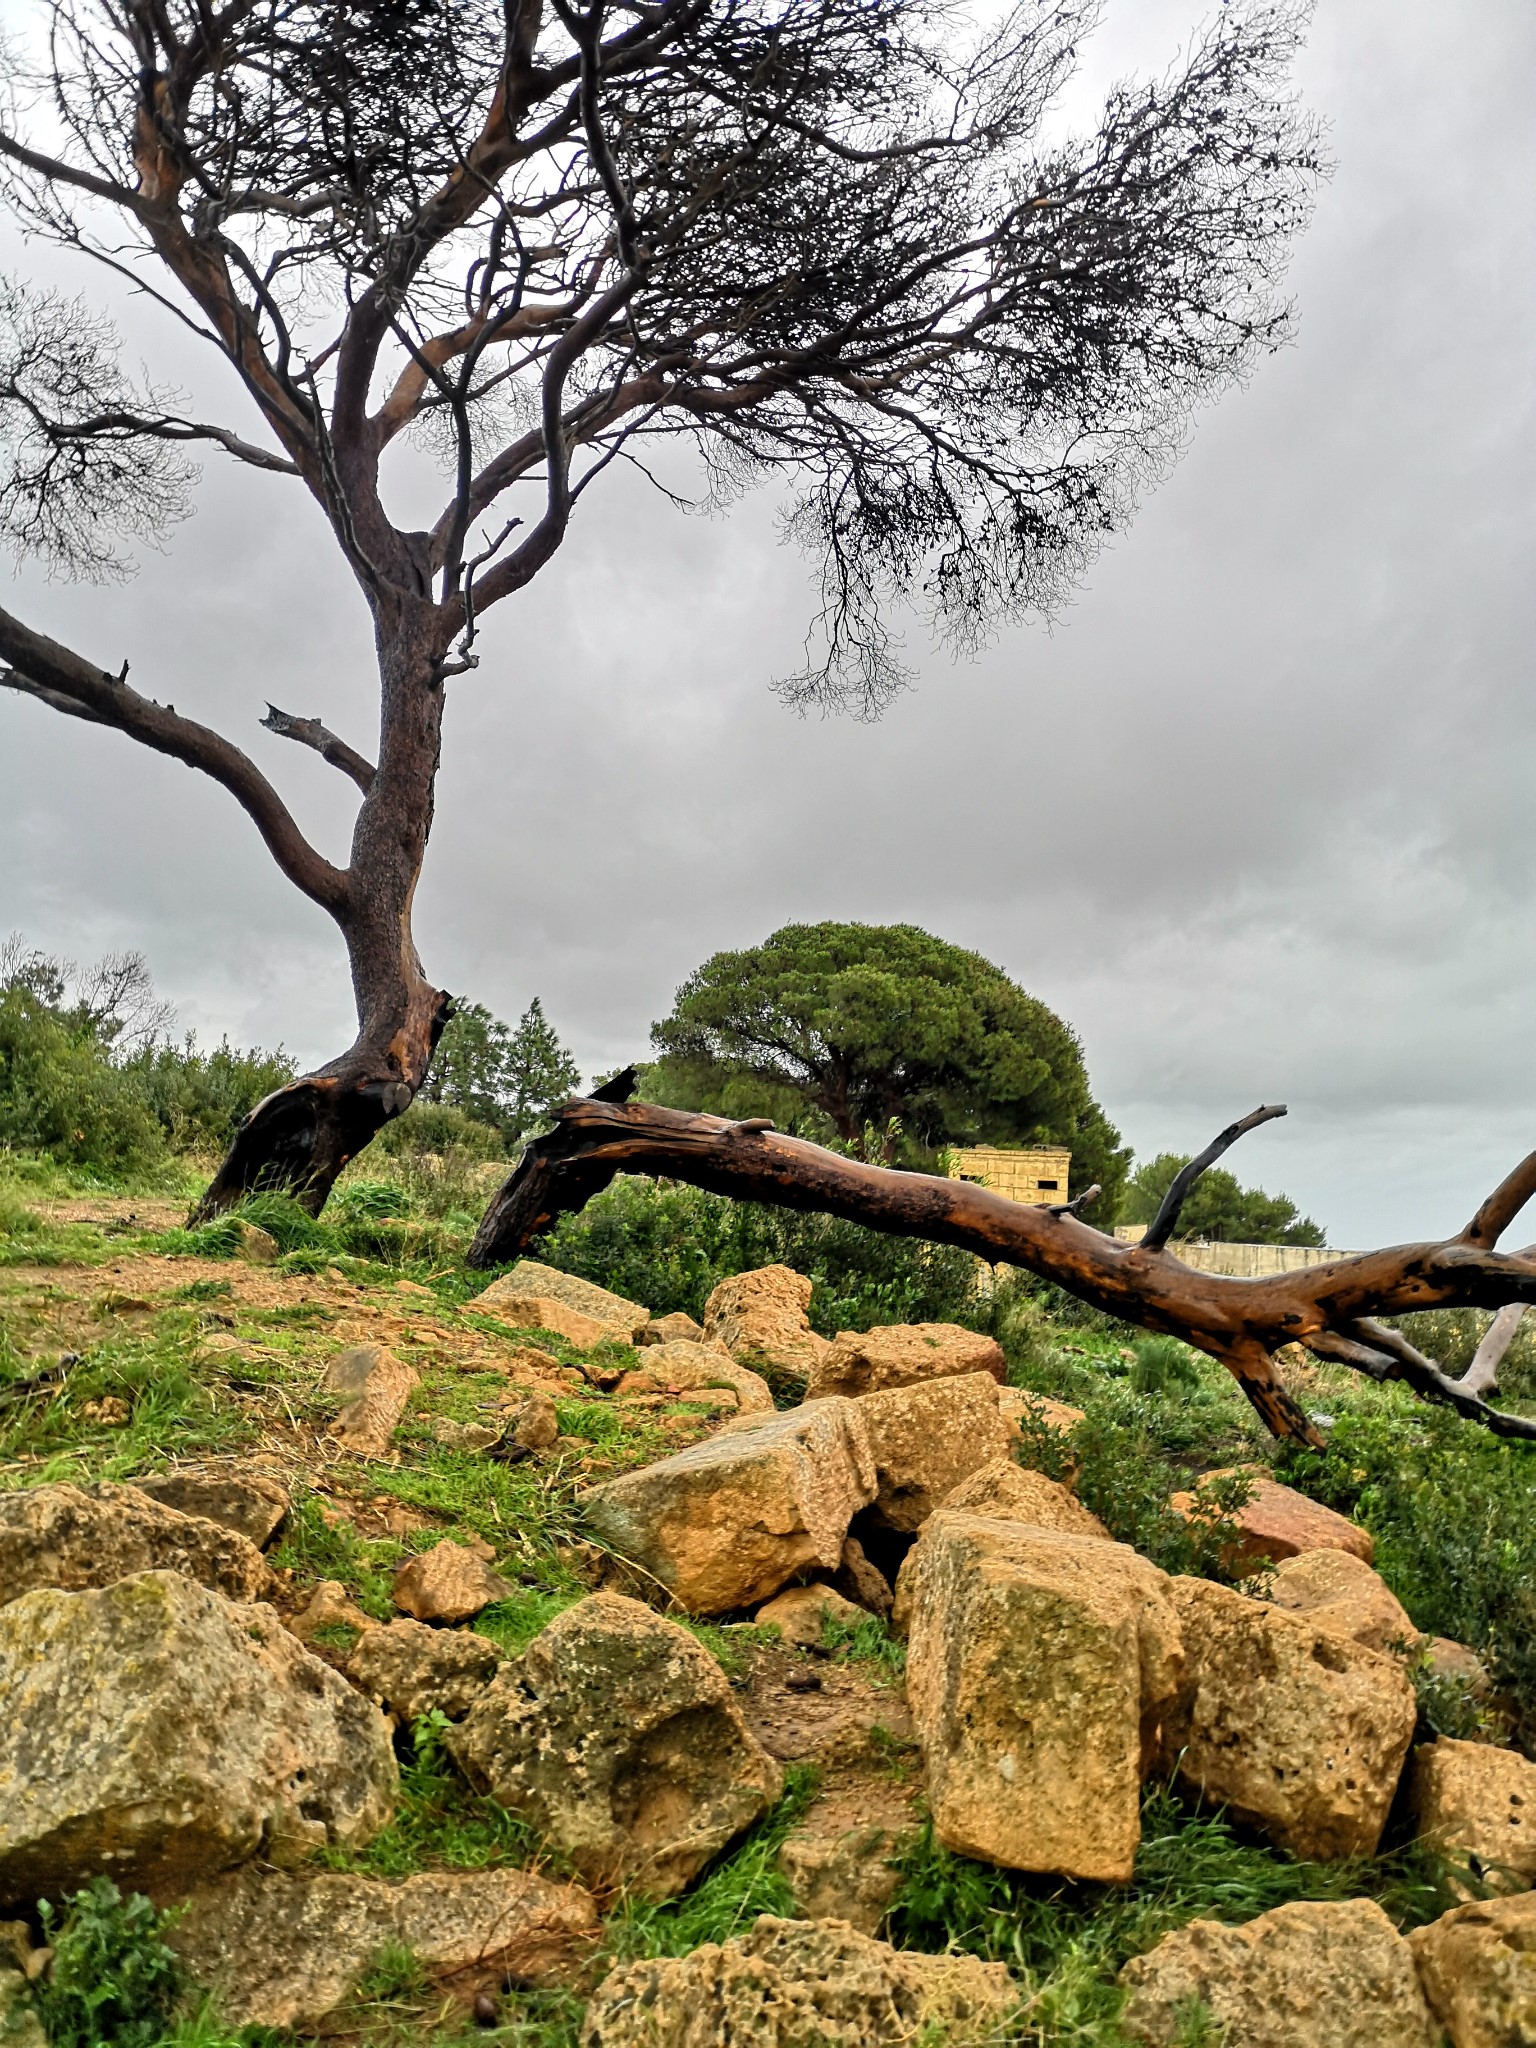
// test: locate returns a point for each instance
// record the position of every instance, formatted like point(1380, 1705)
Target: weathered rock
point(20, 2026)
point(256, 1246)
point(1477, 1964)
point(1039, 1411)
point(1276, 1522)
point(801, 1984)
point(799, 1613)
point(1478, 1806)
point(852, 1876)
point(1038, 1665)
point(250, 1503)
point(1463, 1667)
point(617, 1735)
point(529, 1311)
point(465, 1436)
point(620, 1318)
point(286, 1951)
point(1329, 1975)
point(447, 1583)
point(926, 1439)
point(858, 1580)
point(675, 1328)
point(532, 1424)
point(1342, 1593)
point(902, 1355)
point(761, 1319)
point(1007, 1492)
point(730, 1520)
point(77, 1537)
point(1298, 1730)
point(329, 1606)
point(411, 1669)
point(375, 1386)
point(684, 1364)
point(155, 1732)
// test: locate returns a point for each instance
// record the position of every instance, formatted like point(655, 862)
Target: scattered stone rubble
point(160, 1723)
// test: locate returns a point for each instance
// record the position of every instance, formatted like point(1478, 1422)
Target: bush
point(1450, 1509)
point(199, 1099)
point(61, 1095)
point(669, 1246)
point(113, 1981)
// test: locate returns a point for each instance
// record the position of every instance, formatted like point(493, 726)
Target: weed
point(440, 1822)
point(113, 1982)
point(866, 1641)
point(513, 1624)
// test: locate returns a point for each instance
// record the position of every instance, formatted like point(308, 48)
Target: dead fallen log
point(1332, 1309)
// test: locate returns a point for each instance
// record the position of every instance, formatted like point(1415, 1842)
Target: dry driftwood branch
point(1482, 1375)
point(1330, 1308)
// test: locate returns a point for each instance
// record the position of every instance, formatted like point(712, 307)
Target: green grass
point(1066, 1942)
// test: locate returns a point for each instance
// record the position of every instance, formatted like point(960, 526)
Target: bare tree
point(1332, 1309)
point(822, 241)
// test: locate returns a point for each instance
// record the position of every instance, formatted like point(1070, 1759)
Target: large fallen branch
point(1331, 1309)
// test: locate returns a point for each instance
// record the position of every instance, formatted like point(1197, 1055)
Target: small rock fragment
point(620, 1318)
point(78, 1537)
point(1341, 1592)
point(801, 1984)
point(465, 1436)
point(1007, 1492)
point(158, 1733)
point(329, 1606)
point(1335, 1974)
point(286, 1951)
point(20, 2026)
point(693, 1364)
point(256, 1246)
point(1477, 1964)
point(858, 1580)
point(1277, 1522)
point(730, 1520)
point(618, 1737)
point(852, 1876)
point(526, 1311)
point(375, 1386)
point(447, 1583)
point(902, 1355)
point(1475, 1802)
point(1300, 1731)
point(413, 1670)
point(926, 1439)
point(800, 1614)
point(530, 1425)
point(1454, 1661)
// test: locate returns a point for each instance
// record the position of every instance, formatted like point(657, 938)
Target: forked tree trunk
point(300, 1137)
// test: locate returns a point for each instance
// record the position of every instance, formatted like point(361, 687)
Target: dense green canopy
point(885, 1039)
point(1218, 1208)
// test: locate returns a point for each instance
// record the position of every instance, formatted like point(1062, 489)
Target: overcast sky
point(1256, 817)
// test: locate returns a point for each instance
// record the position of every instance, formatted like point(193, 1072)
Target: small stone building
point(1038, 1177)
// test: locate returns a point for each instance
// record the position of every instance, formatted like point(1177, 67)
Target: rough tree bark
point(1331, 1309)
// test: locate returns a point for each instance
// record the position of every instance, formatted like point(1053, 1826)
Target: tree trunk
point(300, 1137)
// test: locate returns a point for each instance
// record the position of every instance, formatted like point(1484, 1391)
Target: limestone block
point(618, 1737)
point(686, 1364)
point(760, 1318)
point(1300, 1731)
point(902, 1355)
point(77, 1537)
point(1277, 1522)
point(411, 1669)
point(801, 1984)
point(248, 1502)
point(1038, 1665)
point(1478, 1805)
point(675, 1328)
point(1314, 1975)
point(1007, 1492)
point(730, 1520)
point(1477, 1964)
point(157, 1733)
point(928, 1438)
point(286, 1951)
point(1341, 1592)
point(800, 1612)
point(524, 1309)
point(620, 1318)
point(852, 1876)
